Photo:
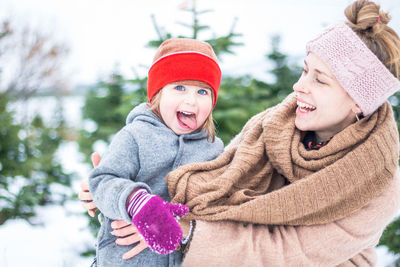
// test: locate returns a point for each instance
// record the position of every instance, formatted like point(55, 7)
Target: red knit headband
point(181, 66)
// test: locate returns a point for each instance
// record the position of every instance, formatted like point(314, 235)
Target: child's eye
point(180, 88)
point(202, 92)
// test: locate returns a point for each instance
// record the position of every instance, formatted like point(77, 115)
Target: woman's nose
point(300, 87)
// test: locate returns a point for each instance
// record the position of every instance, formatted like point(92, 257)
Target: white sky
point(102, 33)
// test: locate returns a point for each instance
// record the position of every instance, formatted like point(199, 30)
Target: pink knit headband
point(368, 82)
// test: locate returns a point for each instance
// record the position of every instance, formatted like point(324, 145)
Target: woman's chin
point(303, 125)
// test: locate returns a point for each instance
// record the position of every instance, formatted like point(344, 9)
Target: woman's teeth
point(305, 107)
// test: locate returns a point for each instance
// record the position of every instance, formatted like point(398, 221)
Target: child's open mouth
point(304, 107)
point(187, 119)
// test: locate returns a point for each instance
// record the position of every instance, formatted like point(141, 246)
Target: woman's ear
point(356, 109)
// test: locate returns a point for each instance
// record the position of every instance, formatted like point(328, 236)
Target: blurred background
point(70, 71)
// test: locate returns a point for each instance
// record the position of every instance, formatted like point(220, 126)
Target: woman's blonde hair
point(208, 125)
point(370, 24)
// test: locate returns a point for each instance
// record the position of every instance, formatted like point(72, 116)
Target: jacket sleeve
point(338, 243)
point(113, 179)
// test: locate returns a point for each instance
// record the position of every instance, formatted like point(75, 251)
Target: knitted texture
point(324, 185)
point(183, 59)
point(357, 69)
point(155, 221)
point(137, 202)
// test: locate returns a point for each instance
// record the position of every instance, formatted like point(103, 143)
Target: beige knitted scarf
point(268, 177)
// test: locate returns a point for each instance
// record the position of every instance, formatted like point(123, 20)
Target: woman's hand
point(84, 195)
point(126, 233)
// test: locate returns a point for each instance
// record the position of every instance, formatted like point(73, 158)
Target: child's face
point(323, 105)
point(185, 108)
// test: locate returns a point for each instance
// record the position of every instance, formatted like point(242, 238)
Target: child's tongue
point(189, 121)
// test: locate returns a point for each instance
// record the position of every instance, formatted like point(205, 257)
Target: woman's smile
point(305, 107)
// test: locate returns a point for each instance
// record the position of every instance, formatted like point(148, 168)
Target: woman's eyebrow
point(319, 71)
point(323, 73)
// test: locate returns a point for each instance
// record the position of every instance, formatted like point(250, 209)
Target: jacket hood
point(143, 112)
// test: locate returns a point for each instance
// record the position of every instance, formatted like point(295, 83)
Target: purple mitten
point(177, 210)
point(155, 220)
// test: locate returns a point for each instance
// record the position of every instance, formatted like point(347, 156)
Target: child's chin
point(180, 131)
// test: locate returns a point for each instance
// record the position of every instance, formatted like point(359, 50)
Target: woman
point(319, 171)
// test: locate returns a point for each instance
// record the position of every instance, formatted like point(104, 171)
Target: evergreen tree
point(29, 171)
point(30, 174)
point(239, 98)
point(391, 239)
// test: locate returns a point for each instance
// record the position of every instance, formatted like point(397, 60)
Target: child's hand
point(127, 234)
point(155, 220)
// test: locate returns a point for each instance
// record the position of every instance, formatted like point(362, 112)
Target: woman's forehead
point(314, 62)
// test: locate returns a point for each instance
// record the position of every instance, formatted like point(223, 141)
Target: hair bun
point(364, 15)
point(370, 24)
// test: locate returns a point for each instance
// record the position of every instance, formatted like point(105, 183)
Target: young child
point(175, 128)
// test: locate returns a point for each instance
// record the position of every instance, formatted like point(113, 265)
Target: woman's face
point(323, 105)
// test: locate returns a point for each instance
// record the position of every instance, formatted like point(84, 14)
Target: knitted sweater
point(345, 242)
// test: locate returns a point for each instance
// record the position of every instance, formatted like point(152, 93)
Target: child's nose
point(190, 98)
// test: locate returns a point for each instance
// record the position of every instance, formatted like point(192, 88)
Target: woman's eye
point(304, 70)
point(202, 92)
point(319, 81)
point(179, 88)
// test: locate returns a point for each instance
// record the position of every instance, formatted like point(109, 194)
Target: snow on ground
point(57, 244)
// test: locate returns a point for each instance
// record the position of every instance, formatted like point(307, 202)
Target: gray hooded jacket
point(141, 155)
